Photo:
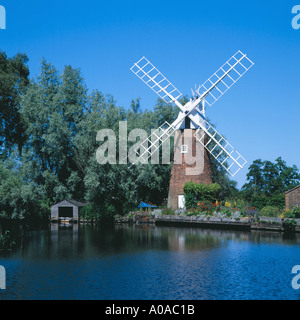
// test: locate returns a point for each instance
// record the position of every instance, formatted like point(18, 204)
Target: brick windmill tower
point(191, 160)
point(194, 136)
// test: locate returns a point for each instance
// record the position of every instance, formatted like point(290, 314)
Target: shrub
point(276, 200)
point(248, 211)
point(289, 226)
point(258, 200)
point(191, 212)
point(270, 211)
point(168, 212)
point(288, 214)
point(6, 240)
point(227, 212)
point(89, 211)
point(107, 215)
point(190, 200)
point(195, 192)
point(102, 214)
point(296, 212)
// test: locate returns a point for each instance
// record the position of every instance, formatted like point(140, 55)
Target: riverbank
point(200, 221)
point(244, 223)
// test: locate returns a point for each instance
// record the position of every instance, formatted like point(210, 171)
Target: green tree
point(19, 199)
point(53, 109)
point(267, 181)
point(14, 75)
point(219, 175)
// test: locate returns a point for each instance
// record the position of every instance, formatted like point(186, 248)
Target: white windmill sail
point(208, 93)
point(226, 76)
point(156, 81)
point(155, 140)
point(220, 148)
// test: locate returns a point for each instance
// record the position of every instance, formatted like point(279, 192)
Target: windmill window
point(184, 148)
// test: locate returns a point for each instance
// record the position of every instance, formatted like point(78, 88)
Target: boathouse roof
point(74, 202)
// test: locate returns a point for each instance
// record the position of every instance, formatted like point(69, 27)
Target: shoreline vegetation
point(13, 233)
point(288, 226)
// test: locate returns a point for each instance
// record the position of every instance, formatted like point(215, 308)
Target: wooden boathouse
point(66, 210)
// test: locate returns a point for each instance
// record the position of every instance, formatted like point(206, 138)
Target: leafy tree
point(53, 107)
point(116, 184)
point(219, 175)
point(268, 181)
point(164, 112)
point(18, 198)
point(14, 75)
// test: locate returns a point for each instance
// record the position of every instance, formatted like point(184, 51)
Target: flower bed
point(235, 210)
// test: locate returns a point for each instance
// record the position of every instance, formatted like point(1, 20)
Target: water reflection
point(63, 239)
point(149, 262)
point(80, 241)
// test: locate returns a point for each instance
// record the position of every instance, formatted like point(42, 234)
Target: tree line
point(48, 128)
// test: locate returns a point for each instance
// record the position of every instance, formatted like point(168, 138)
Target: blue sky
point(187, 41)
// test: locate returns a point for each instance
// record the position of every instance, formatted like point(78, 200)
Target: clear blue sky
point(187, 41)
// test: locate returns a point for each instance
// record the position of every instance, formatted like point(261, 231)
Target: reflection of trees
point(93, 240)
point(197, 241)
point(171, 238)
point(84, 241)
point(272, 237)
point(194, 239)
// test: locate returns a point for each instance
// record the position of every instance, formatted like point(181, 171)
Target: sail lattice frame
point(155, 80)
point(229, 158)
point(224, 78)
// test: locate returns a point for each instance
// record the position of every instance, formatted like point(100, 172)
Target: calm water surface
point(150, 262)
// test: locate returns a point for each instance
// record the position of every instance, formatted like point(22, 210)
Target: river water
point(143, 262)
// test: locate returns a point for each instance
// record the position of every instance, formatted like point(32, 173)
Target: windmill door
point(181, 203)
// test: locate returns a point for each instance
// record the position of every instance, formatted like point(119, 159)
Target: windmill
point(191, 122)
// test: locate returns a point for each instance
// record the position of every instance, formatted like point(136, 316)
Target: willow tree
point(14, 79)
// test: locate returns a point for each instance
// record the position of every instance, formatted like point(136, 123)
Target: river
point(147, 262)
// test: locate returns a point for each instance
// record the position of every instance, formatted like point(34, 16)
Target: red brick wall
point(292, 198)
point(178, 172)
